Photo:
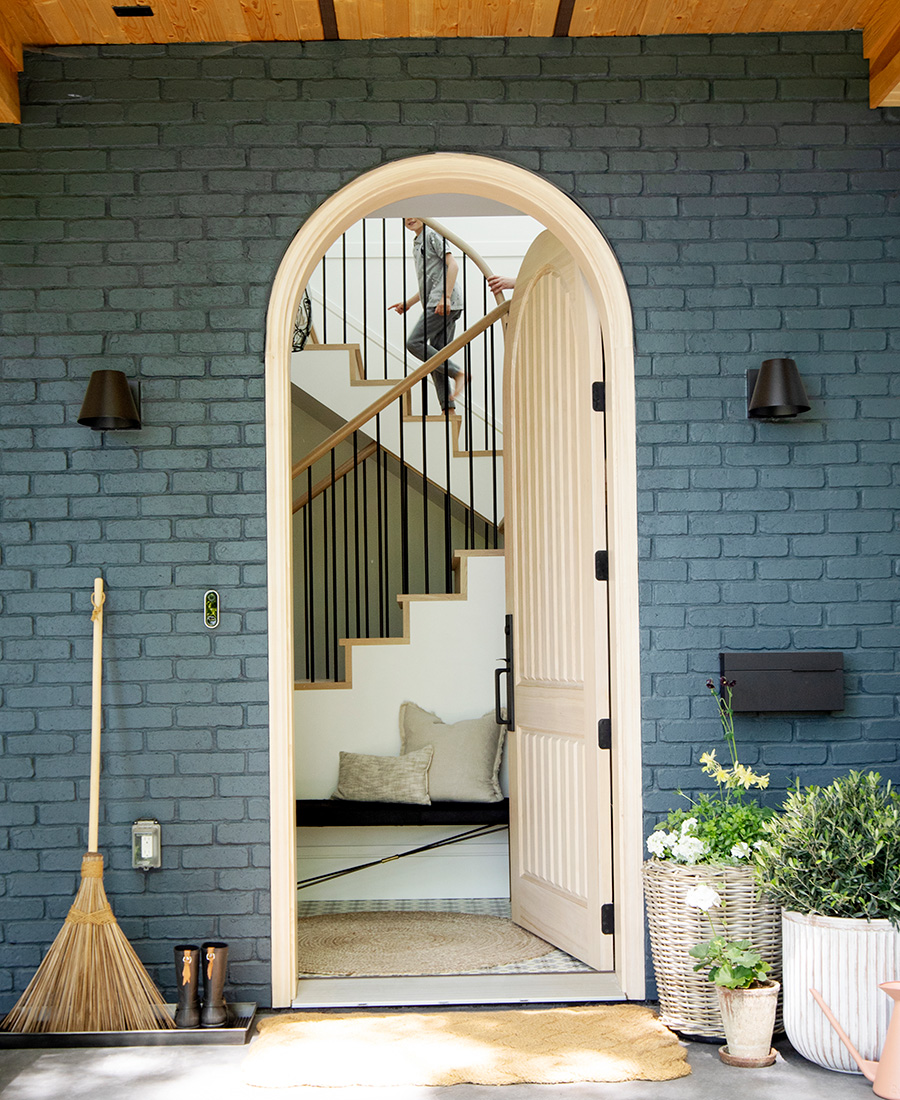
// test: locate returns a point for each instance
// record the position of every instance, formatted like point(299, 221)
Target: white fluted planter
point(845, 960)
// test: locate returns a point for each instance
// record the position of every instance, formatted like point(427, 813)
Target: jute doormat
point(530, 1046)
point(411, 942)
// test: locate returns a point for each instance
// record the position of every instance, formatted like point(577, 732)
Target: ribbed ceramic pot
point(845, 960)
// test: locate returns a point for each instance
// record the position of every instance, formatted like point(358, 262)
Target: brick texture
point(145, 201)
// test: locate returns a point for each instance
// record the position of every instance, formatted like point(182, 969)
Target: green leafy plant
point(717, 828)
point(733, 964)
point(835, 850)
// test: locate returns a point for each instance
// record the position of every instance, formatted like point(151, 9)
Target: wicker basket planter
point(688, 1001)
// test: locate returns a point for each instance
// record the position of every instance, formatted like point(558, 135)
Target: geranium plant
point(732, 964)
point(723, 827)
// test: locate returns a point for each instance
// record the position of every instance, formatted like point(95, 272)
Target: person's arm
point(402, 307)
point(500, 282)
point(443, 305)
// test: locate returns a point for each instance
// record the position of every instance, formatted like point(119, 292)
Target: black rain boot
point(187, 975)
point(214, 960)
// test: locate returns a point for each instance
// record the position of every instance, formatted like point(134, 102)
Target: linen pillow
point(364, 778)
point(467, 754)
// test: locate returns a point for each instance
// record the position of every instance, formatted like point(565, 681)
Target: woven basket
point(687, 1000)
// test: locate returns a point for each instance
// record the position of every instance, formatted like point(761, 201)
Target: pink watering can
point(884, 1074)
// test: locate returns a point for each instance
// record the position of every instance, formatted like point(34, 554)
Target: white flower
point(702, 897)
point(741, 850)
point(658, 842)
point(688, 825)
point(688, 849)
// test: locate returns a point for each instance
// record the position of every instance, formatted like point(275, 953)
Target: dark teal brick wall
point(752, 199)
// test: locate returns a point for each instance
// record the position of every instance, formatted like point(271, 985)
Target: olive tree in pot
point(831, 860)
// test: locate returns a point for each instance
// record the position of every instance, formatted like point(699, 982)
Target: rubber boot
point(214, 961)
point(187, 975)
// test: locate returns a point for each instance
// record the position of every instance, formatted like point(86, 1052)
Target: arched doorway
point(484, 178)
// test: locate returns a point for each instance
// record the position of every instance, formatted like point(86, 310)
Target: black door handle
point(498, 710)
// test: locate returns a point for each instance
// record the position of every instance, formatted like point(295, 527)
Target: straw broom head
point(90, 979)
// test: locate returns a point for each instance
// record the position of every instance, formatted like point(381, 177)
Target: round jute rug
point(417, 942)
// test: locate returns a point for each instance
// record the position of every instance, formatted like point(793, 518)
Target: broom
point(90, 979)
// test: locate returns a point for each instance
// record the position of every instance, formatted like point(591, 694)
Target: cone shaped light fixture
point(109, 403)
point(776, 390)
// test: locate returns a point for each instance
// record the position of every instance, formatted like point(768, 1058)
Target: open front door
point(560, 830)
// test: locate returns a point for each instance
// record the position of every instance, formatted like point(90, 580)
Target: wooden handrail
point(404, 385)
point(342, 471)
point(468, 250)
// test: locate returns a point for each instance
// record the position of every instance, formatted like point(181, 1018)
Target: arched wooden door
point(554, 466)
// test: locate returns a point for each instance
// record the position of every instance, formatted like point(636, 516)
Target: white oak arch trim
point(435, 174)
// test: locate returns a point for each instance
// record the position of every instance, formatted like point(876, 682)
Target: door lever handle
point(499, 715)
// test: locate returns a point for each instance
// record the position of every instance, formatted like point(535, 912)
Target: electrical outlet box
point(146, 844)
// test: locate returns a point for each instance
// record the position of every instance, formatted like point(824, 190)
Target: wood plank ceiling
point(33, 23)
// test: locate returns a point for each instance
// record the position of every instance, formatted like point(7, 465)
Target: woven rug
point(416, 942)
point(532, 1046)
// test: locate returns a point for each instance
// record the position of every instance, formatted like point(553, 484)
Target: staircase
point(444, 661)
point(333, 375)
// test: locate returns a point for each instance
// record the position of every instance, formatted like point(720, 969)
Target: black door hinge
point(608, 919)
point(601, 565)
point(604, 733)
point(598, 397)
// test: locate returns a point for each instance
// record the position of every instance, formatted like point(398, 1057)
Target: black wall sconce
point(111, 402)
point(776, 390)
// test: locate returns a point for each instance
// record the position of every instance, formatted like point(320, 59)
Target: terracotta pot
point(748, 1018)
point(845, 959)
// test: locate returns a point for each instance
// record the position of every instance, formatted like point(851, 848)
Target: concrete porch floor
point(185, 1073)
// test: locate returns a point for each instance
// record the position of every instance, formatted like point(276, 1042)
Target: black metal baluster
point(310, 576)
point(324, 299)
point(425, 542)
point(344, 282)
point(384, 294)
point(366, 511)
point(378, 508)
point(358, 565)
point(346, 559)
point(493, 429)
point(365, 304)
point(334, 573)
point(325, 592)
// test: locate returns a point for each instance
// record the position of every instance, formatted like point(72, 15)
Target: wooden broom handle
point(97, 601)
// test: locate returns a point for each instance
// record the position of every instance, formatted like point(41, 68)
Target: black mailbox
point(784, 682)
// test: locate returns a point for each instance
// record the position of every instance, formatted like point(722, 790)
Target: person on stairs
point(436, 273)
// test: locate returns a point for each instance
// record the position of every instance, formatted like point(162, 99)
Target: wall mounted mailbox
point(785, 682)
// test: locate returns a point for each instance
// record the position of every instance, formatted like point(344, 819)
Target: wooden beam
point(881, 45)
point(10, 110)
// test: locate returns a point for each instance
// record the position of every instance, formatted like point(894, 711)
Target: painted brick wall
point(752, 199)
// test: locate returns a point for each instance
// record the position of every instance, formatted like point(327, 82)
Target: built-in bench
point(321, 813)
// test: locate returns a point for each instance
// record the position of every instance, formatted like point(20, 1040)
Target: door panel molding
point(419, 178)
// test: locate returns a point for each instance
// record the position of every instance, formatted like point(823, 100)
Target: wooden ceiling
point(33, 23)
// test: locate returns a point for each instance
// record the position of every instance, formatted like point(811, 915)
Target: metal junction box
point(785, 682)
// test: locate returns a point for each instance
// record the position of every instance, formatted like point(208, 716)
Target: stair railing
point(355, 309)
point(353, 521)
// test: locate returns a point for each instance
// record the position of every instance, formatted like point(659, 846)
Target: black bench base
point(320, 813)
